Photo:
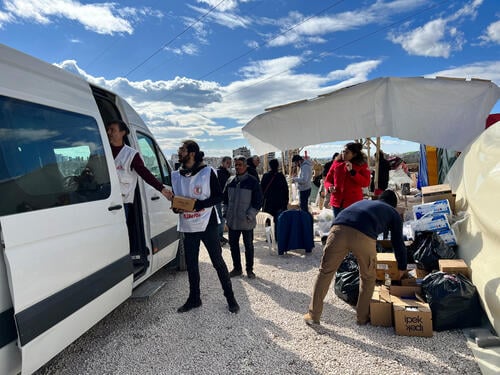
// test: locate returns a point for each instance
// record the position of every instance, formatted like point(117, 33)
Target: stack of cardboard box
point(403, 308)
point(433, 214)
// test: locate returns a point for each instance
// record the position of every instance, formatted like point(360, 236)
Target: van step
point(147, 289)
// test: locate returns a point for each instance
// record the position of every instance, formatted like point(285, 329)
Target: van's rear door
point(61, 213)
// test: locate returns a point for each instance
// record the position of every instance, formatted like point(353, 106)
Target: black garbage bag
point(428, 248)
point(347, 280)
point(350, 263)
point(453, 299)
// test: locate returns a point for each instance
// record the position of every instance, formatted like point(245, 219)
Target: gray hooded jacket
point(242, 201)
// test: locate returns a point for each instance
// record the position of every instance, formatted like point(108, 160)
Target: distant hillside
point(411, 157)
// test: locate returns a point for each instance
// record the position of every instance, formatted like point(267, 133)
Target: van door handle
point(116, 207)
point(155, 198)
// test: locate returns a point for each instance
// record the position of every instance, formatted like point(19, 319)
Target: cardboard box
point(436, 192)
point(415, 276)
point(411, 317)
point(448, 236)
point(381, 307)
point(441, 206)
point(454, 266)
point(386, 263)
point(437, 223)
point(431, 223)
point(183, 203)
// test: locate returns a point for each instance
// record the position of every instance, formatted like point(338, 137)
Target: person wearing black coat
point(383, 173)
point(252, 164)
point(275, 190)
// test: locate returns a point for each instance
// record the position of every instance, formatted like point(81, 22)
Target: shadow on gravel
point(150, 337)
point(268, 336)
point(384, 351)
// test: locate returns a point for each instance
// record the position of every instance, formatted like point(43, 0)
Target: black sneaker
point(232, 305)
point(224, 241)
point(235, 273)
point(250, 275)
point(189, 305)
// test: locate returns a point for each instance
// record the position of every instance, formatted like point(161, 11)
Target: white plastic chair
point(267, 230)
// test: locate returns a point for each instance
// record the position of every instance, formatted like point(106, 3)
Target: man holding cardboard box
point(196, 191)
point(356, 229)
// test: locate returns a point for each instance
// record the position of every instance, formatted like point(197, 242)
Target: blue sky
point(201, 69)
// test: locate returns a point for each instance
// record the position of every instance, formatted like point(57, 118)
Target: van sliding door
point(63, 224)
point(163, 222)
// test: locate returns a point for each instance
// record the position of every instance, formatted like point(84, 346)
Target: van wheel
point(181, 255)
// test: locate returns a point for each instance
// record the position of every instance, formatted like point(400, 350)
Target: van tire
point(181, 254)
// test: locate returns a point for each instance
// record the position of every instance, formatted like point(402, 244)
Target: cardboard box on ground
point(454, 266)
point(399, 307)
point(386, 262)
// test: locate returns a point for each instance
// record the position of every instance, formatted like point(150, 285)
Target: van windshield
point(48, 157)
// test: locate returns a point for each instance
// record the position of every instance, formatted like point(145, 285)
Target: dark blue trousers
point(211, 241)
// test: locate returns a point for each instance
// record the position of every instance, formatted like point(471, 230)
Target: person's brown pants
point(341, 240)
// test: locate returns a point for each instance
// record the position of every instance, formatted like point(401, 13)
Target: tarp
point(442, 112)
point(475, 177)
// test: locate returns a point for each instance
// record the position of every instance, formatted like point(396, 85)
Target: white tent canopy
point(442, 112)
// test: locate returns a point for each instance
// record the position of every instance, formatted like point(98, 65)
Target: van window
point(48, 157)
point(154, 159)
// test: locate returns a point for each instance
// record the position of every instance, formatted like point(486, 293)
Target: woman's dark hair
point(121, 125)
point(192, 146)
point(389, 197)
point(274, 165)
point(357, 149)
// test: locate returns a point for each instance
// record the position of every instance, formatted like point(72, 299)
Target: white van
point(67, 258)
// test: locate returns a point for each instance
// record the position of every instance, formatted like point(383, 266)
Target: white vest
point(127, 177)
point(198, 187)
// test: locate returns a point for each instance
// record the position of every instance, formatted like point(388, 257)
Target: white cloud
point(270, 67)
point(180, 92)
point(5, 18)
point(228, 19)
point(313, 29)
point(425, 41)
point(184, 108)
point(186, 49)
point(439, 37)
point(492, 34)
point(221, 5)
point(102, 18)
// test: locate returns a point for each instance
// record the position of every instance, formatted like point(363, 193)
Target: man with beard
point(129, 164)
point(196, 180)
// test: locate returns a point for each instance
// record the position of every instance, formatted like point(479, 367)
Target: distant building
point(270, 155)
point(242, 151)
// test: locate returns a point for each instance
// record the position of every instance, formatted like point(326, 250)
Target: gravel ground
point(268, 336)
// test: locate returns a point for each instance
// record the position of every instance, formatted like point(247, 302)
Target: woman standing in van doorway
point(197, 180)
point(129, 164)
point(347, 177)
